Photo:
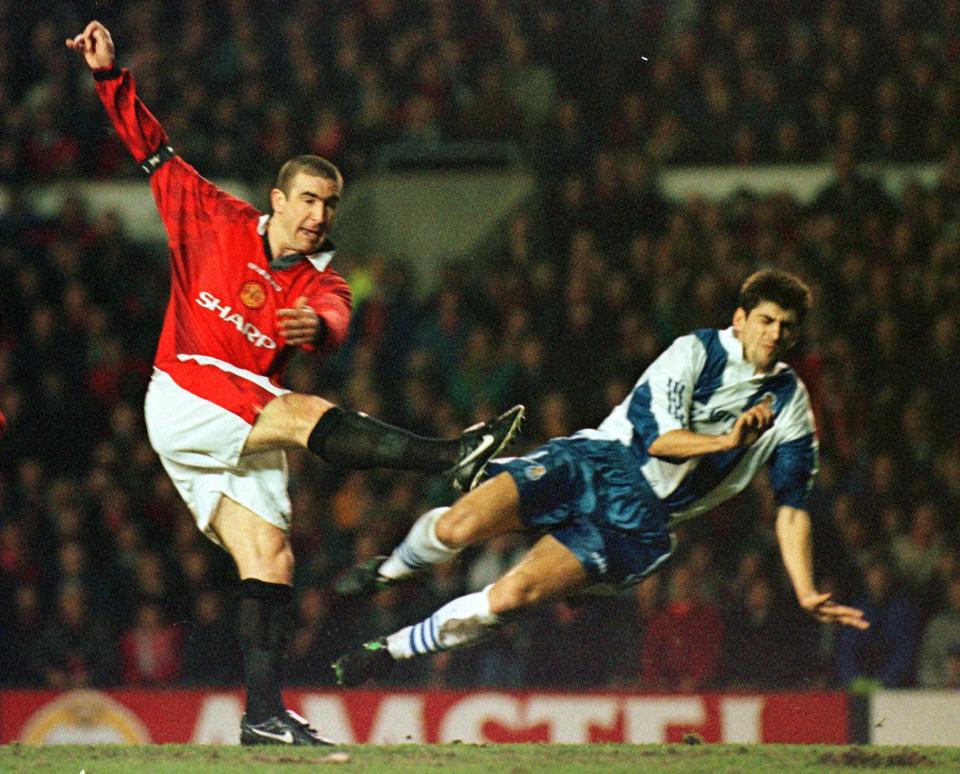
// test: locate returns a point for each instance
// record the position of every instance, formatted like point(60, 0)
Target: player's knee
point(287, 419)
point(453, 529)
point(514, 592)
point(278, 567)
point(266, 559)
point(306, 407)
point(282, 561)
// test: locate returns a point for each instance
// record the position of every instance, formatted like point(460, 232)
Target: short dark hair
point(312, 165)
point(784, 289)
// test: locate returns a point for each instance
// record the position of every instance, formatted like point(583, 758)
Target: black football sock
point(263, 626)
point(354, 440)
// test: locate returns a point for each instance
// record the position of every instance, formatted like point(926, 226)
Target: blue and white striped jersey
point(703, 383)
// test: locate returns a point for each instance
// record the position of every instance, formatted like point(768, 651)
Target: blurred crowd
point(244, 85)
point(104, 579)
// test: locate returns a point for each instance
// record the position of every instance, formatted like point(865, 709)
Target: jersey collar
point(320, 259)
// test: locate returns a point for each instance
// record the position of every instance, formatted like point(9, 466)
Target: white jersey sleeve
point(665, 391)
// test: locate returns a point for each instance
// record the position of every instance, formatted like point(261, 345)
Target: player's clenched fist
point(95, 44)
point(751, 424)
point(300, 324)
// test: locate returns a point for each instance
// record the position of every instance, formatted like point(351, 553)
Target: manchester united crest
point(253, 295)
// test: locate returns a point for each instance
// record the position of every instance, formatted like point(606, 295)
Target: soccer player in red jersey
point(246, 289)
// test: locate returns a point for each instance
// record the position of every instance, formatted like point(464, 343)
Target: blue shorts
point(591, 496)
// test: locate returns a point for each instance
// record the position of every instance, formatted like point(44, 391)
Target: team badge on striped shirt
point(534, 472)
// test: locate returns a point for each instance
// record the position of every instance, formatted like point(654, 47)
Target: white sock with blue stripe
point(419, 549)
point(463, 621)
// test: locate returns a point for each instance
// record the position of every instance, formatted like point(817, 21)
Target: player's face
point(305, 214)
point(766, 333)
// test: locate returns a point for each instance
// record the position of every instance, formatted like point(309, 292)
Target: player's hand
point(824, 609)
point(299, 325)
point(751, 424)
point(96, 45)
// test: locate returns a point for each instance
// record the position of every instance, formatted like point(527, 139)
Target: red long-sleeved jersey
point(224, 293)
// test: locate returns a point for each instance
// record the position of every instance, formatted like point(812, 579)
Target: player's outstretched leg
point(464, 621)
point(547, 571)
point(438, 536)
point(418, 550)
point(354, 440)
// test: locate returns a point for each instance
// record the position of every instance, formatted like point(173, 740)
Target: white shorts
point(201, 447)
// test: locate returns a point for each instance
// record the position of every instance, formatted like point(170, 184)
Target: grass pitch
point(477, 759)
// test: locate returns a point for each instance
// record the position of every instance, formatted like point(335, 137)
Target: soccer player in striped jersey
point(248, 289)
point(707, 415)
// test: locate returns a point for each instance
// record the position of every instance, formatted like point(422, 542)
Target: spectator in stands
point(18, 563)
point(704, 573)
point(883, 654)
point(74, 649)
point(19, 665)
point(762, 648)
point(683, 642)
point(312, 645)
point(210, 653)
point(918, 552)
point(570, 643)
point(850, 196)
point(940, 645)
point(647, 600)
point(150, 650)
point(493, 560)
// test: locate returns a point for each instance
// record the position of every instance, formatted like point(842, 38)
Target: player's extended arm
point(178, 188)
point(181, 193)
point(684, 444)
point(136, 126)
point(794, 534)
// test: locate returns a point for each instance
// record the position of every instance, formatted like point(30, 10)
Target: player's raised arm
point(177, 187)
point(136, 126)
point(96, 45)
